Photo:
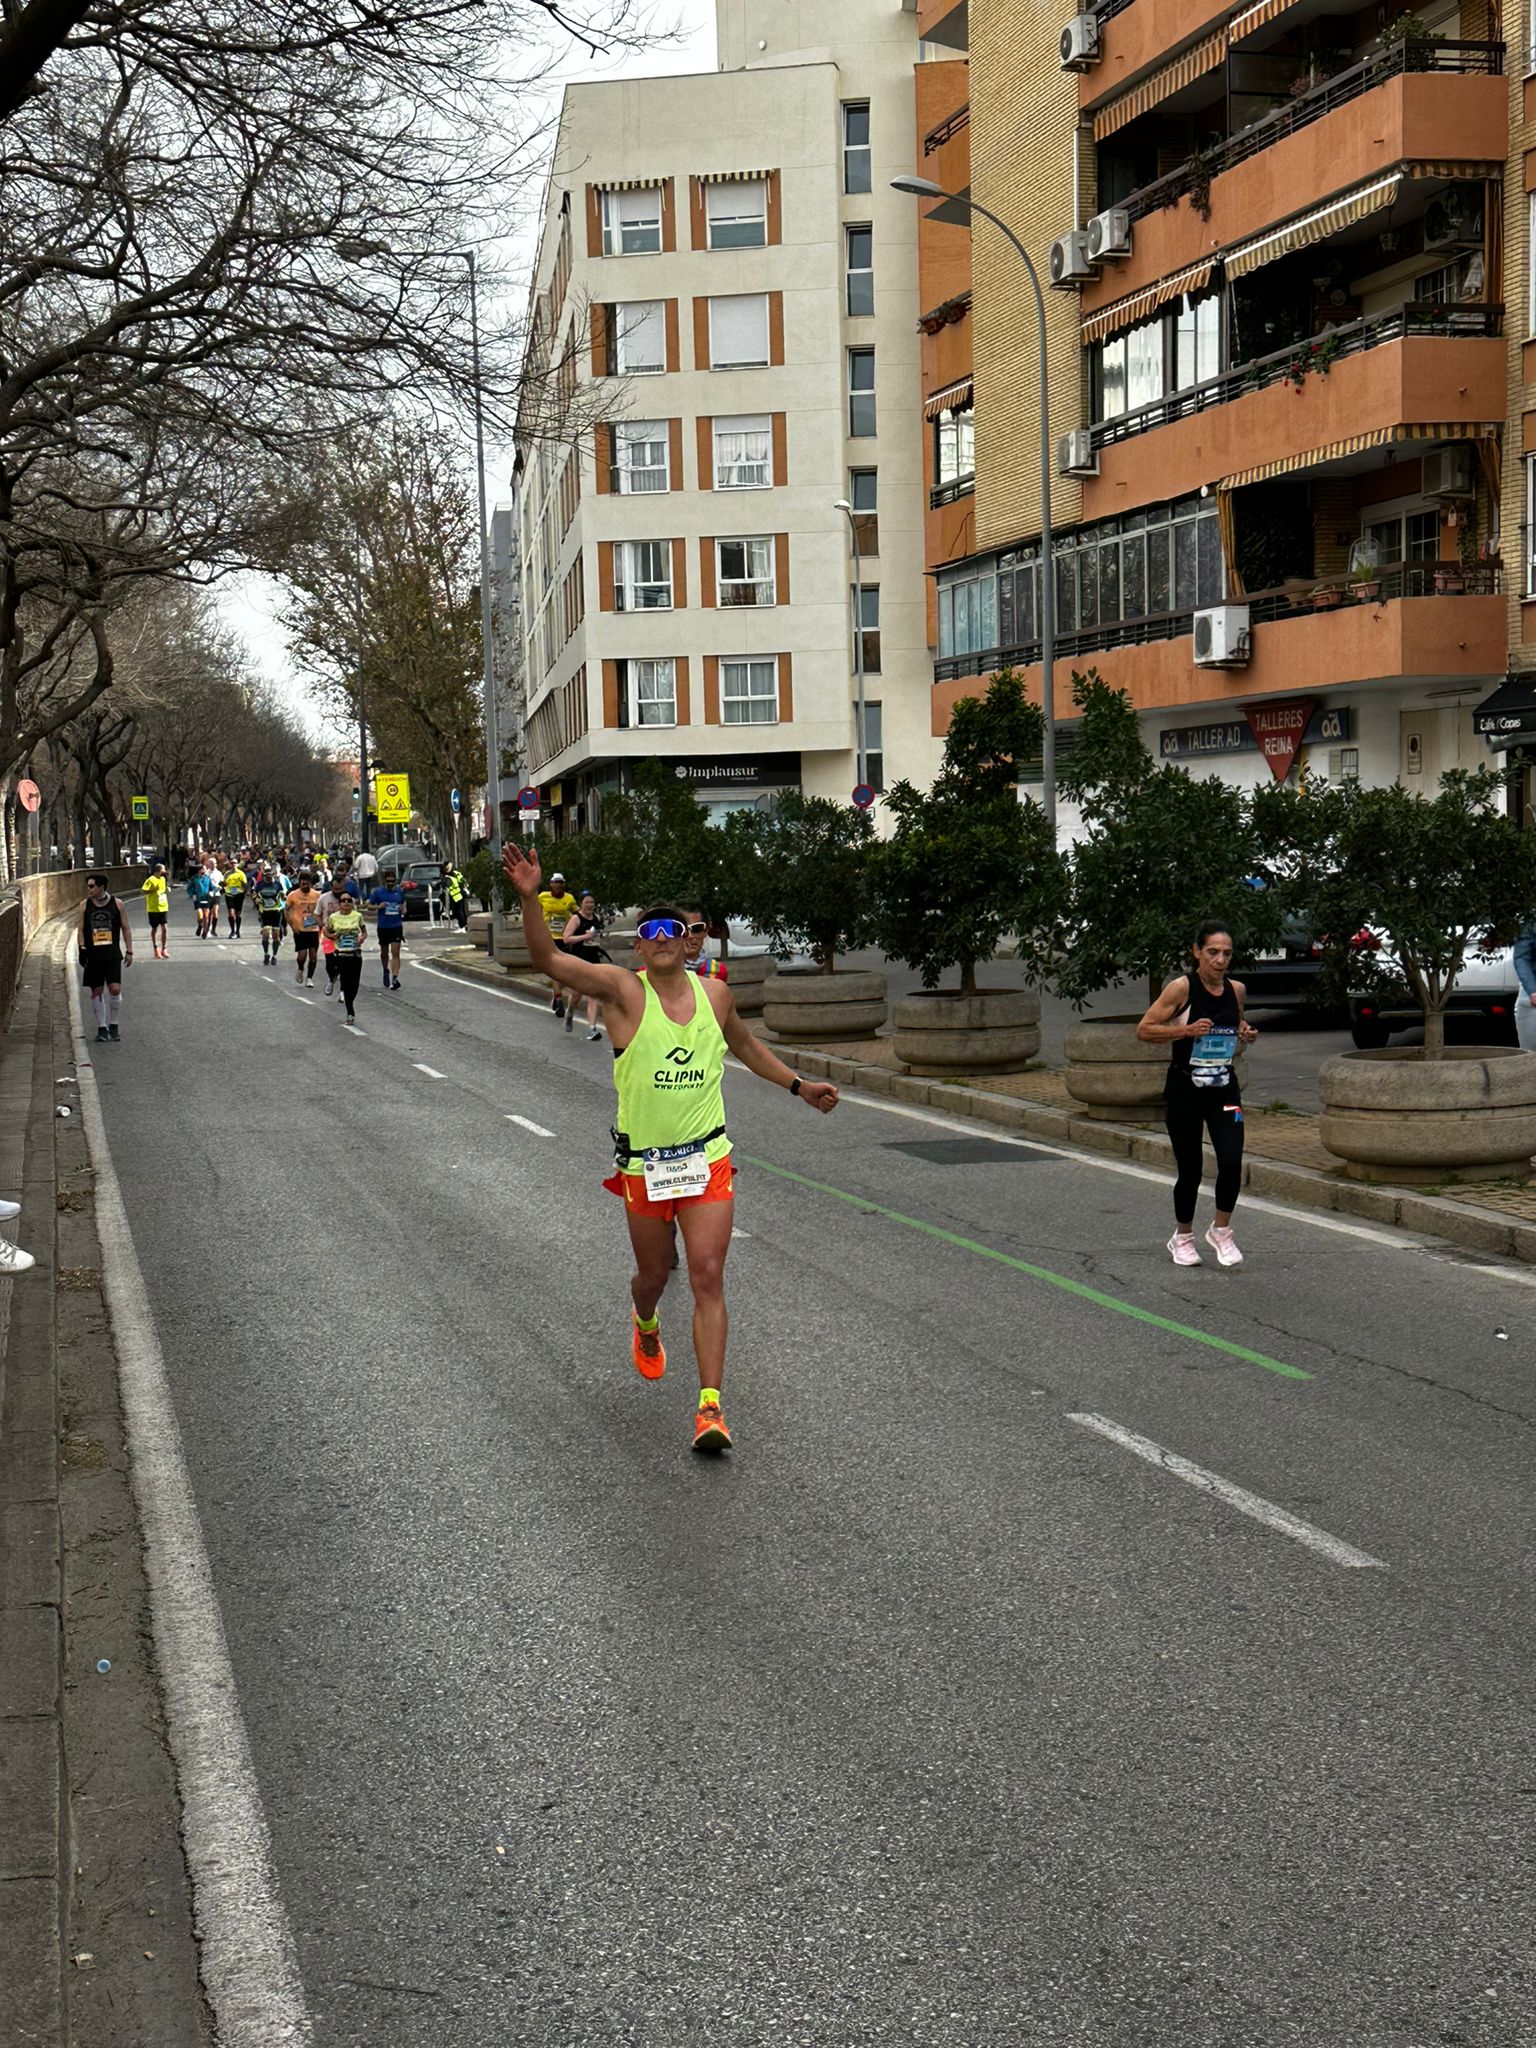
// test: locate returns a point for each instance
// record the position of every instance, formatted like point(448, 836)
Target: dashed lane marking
point(298, 998)
point(431, 1072)
point(528, 1124)
point(1246, 1503)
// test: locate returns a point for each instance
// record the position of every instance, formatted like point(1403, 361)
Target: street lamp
point(925, 188)
point(846, 509)
point(356, 251)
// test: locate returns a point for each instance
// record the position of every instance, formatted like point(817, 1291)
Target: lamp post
point(846, 509)
point(362, 691)
point(925, 188)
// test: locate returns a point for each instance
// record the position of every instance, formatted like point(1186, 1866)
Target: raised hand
point(522, 870)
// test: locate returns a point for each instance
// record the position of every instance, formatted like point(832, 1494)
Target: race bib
point(311, 921)
point(102, 935)
point(675, 1172)
point(346, 942)
point(1211, 1057)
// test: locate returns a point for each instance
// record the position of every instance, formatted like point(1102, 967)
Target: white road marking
point(246, 1952)
point(355, 1029)
point(528, 1124)
point(431, 1072)
point(502, 995)
point(298, 998)
point(1237, 1497)
point(741, 1233)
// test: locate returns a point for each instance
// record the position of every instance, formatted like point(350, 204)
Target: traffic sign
point(392, 799)
point(528, 799)
point(863, 795)
point(29, 796)
point(456, 800)
point(527, 818)
point(357, 814)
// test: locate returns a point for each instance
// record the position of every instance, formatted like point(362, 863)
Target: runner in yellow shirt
point(558, 906)
point(157, 905)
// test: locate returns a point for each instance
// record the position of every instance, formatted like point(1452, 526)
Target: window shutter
point(739, 331)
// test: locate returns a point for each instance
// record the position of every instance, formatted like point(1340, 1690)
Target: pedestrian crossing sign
point(392, 794)
point(141, 806)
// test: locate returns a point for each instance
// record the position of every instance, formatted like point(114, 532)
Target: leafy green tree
point(1161, 852)
point(970, 863)
point(1435, 881)
point(808, 883)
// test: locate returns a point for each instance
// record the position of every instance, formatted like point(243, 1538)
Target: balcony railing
point(1304, 359)
point(951, 492)
point(1482, 59)
point(947, 130)
point(1369, 586)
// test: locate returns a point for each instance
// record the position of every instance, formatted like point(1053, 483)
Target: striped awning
point(1138, 306)
point(1379, 437)
point(731, 177)
point(1452, 167)
point(1251, 18)
point(953, 398)
point(1159, 85)
point(629, 184)
point(1315, 226)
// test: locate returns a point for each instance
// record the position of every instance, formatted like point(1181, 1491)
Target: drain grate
point(967, 1152)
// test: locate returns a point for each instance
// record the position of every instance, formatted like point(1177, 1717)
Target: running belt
point(623, 1149)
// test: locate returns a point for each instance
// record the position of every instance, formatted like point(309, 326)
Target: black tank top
point(1207, 1061)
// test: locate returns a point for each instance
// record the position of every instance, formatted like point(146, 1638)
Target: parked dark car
point(423, 882)
point(1287, 978)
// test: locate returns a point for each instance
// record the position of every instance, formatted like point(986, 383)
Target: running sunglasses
point(661, 928)
point(699, 930)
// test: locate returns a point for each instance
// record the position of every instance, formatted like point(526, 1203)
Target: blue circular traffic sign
point(528, 799)
point(863, 796)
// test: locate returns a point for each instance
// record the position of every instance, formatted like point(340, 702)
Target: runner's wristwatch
point(794, 1086)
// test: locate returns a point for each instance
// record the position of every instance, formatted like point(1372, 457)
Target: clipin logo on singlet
point(682, 1074)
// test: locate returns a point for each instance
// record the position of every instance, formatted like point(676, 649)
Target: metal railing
point(1303, 359)
point(951, 492)
point(1387, 585)
point(947, 130)
point(1480, 59)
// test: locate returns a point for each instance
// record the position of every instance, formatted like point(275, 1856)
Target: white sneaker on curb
point(1184, 1250)
point(13, 1259)
point(1224, 1245)
point(8, 1210)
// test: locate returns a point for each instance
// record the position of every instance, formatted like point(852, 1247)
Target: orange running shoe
point(646, 1345)
point(709, 1430)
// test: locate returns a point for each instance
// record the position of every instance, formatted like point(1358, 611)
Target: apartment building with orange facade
point(1290, 356)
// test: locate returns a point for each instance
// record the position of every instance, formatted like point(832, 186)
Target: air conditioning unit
point(1080, 43)
point(1069, 260)
point(1454, 221)
point(1075, 454)
point(1447, 472)
point(1223, 638)
point(1109, 235)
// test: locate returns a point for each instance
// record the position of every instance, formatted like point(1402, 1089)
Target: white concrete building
point(728, 286)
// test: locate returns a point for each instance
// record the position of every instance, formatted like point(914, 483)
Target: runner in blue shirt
point(389, 900)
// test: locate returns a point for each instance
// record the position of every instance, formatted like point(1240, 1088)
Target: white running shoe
point(13, 1259)
point(1224, 1245)
point(8, 1210)
point(1183, 1249)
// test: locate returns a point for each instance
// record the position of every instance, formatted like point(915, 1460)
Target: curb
point(1302, 1187)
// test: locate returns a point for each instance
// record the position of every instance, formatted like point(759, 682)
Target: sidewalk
point(96, 1936)
point(1285, 1159)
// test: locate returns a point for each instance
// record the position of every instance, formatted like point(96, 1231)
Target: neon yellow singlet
point(669, 1079)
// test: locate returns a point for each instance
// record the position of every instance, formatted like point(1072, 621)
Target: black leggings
point(1189, 1112)
point(349, 972)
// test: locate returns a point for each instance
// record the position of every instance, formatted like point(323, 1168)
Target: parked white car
point(1485, 989)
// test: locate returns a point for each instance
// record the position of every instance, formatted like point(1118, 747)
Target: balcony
point(946, 22)
point(1416, 363)
point(1410, 631)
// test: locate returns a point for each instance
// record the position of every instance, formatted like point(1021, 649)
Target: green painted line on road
point(1067, 1286)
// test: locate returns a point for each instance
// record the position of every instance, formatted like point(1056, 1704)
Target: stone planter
point(995, 1031)
point(511, 944)
point(1112, 1073)
point(809, 1007)
point(1393, 1115)
point(477, 932)
point(747, 978)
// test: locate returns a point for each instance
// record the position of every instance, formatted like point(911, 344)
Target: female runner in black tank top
point(582, 938)
point(1200, 1015)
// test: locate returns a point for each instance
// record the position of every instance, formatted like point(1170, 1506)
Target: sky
point(249, 604)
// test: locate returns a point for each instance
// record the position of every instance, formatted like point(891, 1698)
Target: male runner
point(106, 945)
point(670, 1033)
point(695, 959)
point(303, 913)
point(557, 905)
point(389, 900)
point(236, 882)
point(157, 905)
point(269, 893)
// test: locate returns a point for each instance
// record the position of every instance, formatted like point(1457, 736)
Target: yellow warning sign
point(392, 799)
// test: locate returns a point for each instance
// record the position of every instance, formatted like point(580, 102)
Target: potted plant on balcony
point(1161, 849)
point(1435, 881)
point(808, 892)
point(1326, 597)
point(1364, 562)
point(1199, 170)
point(970, 862)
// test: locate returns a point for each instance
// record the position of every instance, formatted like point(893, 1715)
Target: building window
point(743, 452)
point(874, 745)
point(863, 496)
point(749, 692)
point(744, 572)
point(861, 393)
point(632, 222)
point(648, 692)
point(954, 446)
point(1409, 537)
point(856, 164)
point(641, 450)
point(738, 333)
point(642, 575)
point(737, 213)
point(1530, 526)
point(1197, 341)
point(640, 337)
point(869, 626)
point(1179, 348)
point(861, 270)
